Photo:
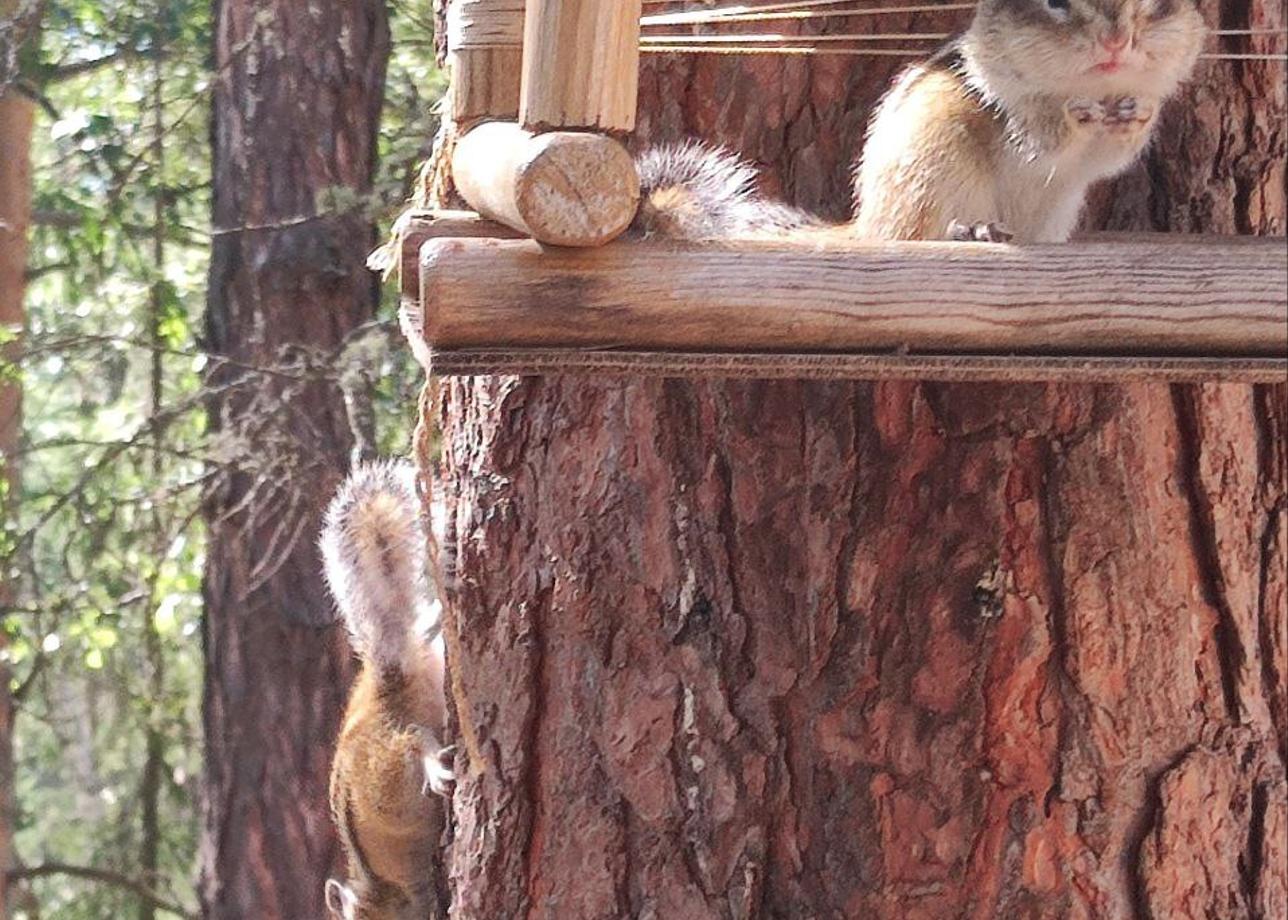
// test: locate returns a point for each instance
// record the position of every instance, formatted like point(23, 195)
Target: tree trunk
point(296, 107)
point(17, 118)
point(806, 649)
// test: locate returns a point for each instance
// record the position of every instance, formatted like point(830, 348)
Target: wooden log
point(484, 24)
point(562, 188)
point(580, 64)
point(485, 84)
point(485, 44)
point(1155, 297)
point(415, 228)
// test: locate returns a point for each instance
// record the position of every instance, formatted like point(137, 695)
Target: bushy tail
point(373, 550)
point(693, 192)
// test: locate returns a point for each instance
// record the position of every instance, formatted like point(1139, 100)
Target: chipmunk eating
point(998, 135)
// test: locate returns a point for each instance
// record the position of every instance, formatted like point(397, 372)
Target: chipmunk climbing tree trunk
point(733, 649)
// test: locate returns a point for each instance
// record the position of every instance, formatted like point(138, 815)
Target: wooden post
point(1154, 296)
point(580, 64)
point(485, 43)
point(563, 188)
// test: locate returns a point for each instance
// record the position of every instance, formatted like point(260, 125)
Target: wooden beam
point(580, 64)
point(485, 84)
point(485, 46)
point(1154, 297)
point(415, 228)
point(562, 188)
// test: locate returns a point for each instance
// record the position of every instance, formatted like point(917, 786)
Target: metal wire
point(1278, 57)
point(751, 14)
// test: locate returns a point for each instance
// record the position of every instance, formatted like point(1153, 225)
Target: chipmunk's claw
point(1113, 114)
point(1085, 111)
point(1127, 113)
point(987, 232)
point(440, 773)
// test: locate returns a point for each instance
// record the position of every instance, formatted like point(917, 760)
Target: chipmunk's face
point(1092, 48)
point(344, 903)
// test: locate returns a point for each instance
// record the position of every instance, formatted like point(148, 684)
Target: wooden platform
point(1153, 307)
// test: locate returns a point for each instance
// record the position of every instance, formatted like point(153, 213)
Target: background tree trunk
point(296, 107)
point(17, 119)
point(805, 649)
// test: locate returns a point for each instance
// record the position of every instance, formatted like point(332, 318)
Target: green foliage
point(104, 642)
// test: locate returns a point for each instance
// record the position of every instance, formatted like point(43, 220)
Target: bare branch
point(104, 876)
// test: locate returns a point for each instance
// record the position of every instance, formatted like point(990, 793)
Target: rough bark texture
point(295, 115)
point(17, 118)
point(786, 649)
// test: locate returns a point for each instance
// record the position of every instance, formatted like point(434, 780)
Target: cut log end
point(563, 188)
point(577, 189)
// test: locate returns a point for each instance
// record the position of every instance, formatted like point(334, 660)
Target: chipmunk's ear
point(341, 900)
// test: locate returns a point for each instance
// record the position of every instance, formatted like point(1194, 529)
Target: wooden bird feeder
point(538, 281)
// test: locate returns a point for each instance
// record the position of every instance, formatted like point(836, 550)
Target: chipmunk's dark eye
point(1058, 4)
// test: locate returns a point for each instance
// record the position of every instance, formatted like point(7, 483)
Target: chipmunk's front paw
point(440, 773)
point(979, 232)
point(1127, 114)
point(1085, 112)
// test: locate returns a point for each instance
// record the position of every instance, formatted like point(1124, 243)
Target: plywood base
point(996, 368)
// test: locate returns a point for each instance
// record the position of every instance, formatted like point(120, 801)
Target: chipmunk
point(998, 134)
point(391, 771)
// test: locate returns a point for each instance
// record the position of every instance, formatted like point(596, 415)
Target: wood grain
point(415, 228)
point(484, 24)
point(485, 84)
point(580, 64)
point(485, 47)
point(562, 188)
point(1157, 296)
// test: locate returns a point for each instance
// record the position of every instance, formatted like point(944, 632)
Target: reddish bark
point(17, 119)
point(804, 649)
point(296, 107)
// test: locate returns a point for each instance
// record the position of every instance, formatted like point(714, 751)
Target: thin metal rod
point(744, 8)
point(750, 39)
point(744, 14)
point(687, 38)
point(809, 9)
point(751, 49)
point(877, 52)
point(1244, 57)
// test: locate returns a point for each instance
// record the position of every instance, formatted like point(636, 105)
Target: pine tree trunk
point(296, 108)
point(17, 119)
point(806, 649)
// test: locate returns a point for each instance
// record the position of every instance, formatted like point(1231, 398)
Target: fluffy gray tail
point(693, 192)
point(374, 553)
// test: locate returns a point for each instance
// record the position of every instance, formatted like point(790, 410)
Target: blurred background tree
point(104, 548)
